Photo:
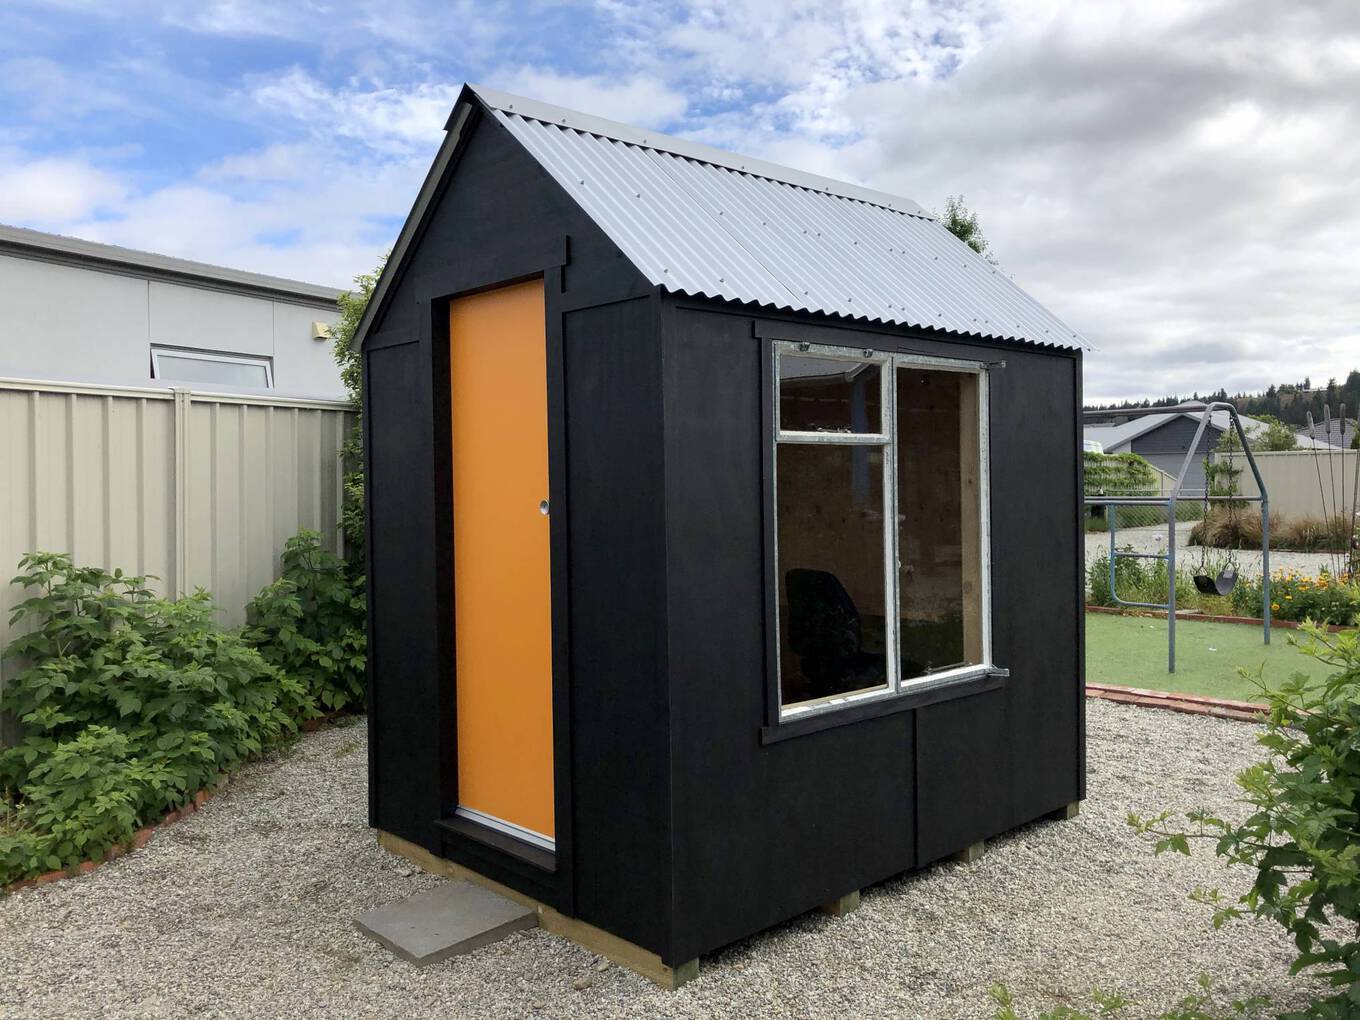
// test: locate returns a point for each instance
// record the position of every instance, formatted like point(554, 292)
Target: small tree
point(352, 306)
point(1276, 436)
point(962, 222)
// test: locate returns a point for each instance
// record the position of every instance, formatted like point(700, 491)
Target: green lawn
point(1131, 651)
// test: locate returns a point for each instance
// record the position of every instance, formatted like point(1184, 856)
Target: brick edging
point(1175, 701)
point(1253, 621)
point(139, 839)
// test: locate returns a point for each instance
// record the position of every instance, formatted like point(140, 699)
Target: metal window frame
point(887, 438)
point(220, 357)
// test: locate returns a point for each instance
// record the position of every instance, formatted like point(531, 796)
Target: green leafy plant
point(130, 703)
point(79, 800)
point(1147, 581)
point(310, 623)
point(1294, 596)
point(1125, 474)
point(353, 303)
point(1200, 1005)
point(1302, 838)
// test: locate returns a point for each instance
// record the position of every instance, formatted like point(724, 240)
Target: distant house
point(1163, 439)
point(1336, 435)
point(79, 312)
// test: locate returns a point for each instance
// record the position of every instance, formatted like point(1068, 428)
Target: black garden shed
point(723, 535)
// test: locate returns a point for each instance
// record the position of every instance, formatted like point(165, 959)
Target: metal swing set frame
point(1180, 492)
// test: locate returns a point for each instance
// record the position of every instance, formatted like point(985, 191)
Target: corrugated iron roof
point(701, 222)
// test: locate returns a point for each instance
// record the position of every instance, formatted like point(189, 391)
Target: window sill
point(919, 695)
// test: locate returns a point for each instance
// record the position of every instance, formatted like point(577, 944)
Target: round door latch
point(543, 507)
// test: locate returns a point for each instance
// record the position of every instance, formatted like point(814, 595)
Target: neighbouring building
point(78, 311)
point(1164, 438)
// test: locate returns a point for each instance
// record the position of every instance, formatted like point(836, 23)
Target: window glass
point(184, 367)
point(938, 514)
point(829, 395)
point(832, 598)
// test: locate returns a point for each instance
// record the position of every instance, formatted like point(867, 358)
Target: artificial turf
point(1131, 651)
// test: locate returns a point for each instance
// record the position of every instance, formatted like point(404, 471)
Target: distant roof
point(1113, 437)
point(1336, 436)
point(699, 221)
point(38, 244)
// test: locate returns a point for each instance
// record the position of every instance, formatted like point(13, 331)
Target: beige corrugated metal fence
point(198, 489)
point(1302, 482)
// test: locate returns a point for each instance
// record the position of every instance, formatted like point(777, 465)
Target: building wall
point(70, 323)
point(799, 822)
point(198, 491)
point(498, 220)
point(1165, 448)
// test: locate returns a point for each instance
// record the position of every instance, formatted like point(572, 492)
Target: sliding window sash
point(886, 437)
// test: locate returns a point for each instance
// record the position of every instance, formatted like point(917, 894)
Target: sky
point(1179, 182)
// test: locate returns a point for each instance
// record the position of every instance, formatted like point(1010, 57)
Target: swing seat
point(1223, 584)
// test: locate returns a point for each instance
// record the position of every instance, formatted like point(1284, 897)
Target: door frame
point(545, 876)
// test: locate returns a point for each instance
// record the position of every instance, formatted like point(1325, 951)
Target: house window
point(210, 368)
point(880, 507)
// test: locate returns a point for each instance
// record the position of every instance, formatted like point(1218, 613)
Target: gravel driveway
point(245, 910)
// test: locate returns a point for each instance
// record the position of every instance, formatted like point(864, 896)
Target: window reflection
point(832, 599)
point(939, 582)
point(829, 395)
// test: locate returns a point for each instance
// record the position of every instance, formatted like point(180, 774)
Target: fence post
point(180, 440)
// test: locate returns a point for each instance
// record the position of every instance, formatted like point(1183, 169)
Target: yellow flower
point(1289, 598)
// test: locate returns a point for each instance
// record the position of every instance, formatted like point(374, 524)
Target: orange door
point(503, 636)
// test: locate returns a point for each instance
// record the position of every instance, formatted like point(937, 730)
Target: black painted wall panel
point(403, 656)
point(761, 833)
point(620, 765)
point(1034, 544)
point(765, 832)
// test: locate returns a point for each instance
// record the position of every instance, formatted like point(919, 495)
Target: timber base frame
point(618, 950)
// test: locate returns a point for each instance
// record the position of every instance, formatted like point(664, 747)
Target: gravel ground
point(1147, 540)
point(245, 910)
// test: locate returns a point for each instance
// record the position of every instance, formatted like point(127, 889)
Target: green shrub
point(80, 799)
point(310, 623)
point(1118, 473)
point(1146, 581)
point(1302, 838)
point(130, 703)
point(1293, 596)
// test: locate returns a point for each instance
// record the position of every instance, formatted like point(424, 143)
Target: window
point(210, 368)
point(880, 524)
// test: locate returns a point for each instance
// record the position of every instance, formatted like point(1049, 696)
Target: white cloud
point(51, 192)
point(636, 99)
point(378, 116)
